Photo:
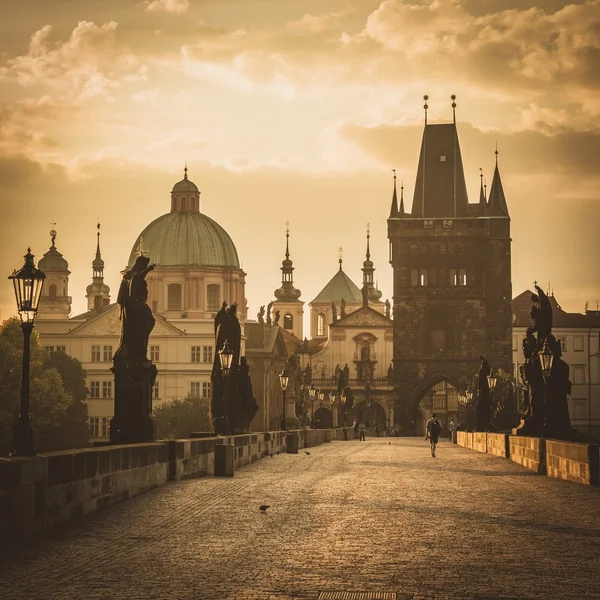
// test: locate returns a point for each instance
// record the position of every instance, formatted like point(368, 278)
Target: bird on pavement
point(263, 507)
point(306, 452)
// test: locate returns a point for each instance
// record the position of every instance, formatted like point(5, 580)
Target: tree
point(178, 418)
point(56, 418)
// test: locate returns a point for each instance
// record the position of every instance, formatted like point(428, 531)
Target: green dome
point(53, 261)
point(185, 185)
point(186, 239)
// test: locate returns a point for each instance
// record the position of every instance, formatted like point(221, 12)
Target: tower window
point(453, 277)
point(423, 277)
point(288, 321)
point(52, 292)
point(212, 297)
point(174, 296)
point(321, 324)
point(462, 277)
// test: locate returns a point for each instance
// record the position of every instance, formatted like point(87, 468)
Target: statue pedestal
point(133, 422)
point(291, 420)
point(529, 428)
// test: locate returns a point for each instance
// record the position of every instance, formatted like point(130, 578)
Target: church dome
point(185, 185)
point(186, 239)
point(53, 260)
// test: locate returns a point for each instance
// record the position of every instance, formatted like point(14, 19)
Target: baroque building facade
point(197, 268)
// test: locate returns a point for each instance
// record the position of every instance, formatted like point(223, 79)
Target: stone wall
point(39, 493)
point(480, 441)
point(571, 461)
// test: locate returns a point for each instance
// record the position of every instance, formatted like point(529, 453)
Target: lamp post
point(321, 395)
point(283, 380)
point(343, 407)
point(28, 283)
point(332, 401)
point(311, 393)
point(469, 397)
point(225, 357)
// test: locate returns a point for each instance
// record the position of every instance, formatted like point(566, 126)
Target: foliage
point(502, 396)
point(58, 421)
point(178, 418)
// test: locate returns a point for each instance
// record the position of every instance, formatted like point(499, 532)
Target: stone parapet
point(480, 441)
point(573, 462)
point(529, 452)
point(464, 439)
point(498, 444)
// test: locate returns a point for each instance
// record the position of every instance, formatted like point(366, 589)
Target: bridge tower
point(451, 263)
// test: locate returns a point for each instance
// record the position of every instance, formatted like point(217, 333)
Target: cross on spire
point(287, 238)
point(341, 252)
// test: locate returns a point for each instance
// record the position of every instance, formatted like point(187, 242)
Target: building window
point(563, 343)
point(212, 297)
point(155, 353)
point(207, 354)
point(95, 353)
point(108, 353)
point(578, 374)
point(578, 343)
point(196, 354)
point(52, 292)
point(414, 277)
point(94, 389)
point(50, 349)
point(206, 389)
point(174, 296)
point(320, 324)
point(61, 349)
point(453, 277)
point(156, 390)
point(423, 277)
point(94, 425)
point(105, 426)
point(288, 321)
point(107, 389)
point(195, 389)
point(579, 409)
point(462, 277)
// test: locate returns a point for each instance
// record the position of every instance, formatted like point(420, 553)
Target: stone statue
point(136, 316)
point(390, 374)
point(343, 309)
point(307, 376)
point(261, 314)
point(346, 375)
point(334, 312)
point(337, 376)
point(388, 309)
point(269, 309)
point(276, 320)
point(134, 373)
point(233, 405)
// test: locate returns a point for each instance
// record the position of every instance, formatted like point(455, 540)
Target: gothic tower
point(55, 302)
point(288, 302)
point(451, 262)
point(97, 293)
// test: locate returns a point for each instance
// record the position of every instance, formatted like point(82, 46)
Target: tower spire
point(340, 260)
point(287, 240)
point(425, 106)
point(394, 208)
point(369, 292)
point(98, 293)
point(402, 212)
point(497, 206)
point(453, 97)
point(185, 170)
point(482, 198)
point(368, 237)
point(287, 292)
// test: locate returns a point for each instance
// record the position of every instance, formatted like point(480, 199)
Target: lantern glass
point(491, 381)
point(469, 396)
point(312, 392)
point(332, 397)
point(546, 358)
point(28, 283)
point(225, 356)
point(321, 396)
point(283, 380)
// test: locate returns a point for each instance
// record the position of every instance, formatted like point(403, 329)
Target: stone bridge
point(350, 520)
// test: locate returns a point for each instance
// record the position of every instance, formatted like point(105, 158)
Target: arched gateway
point(452, 276)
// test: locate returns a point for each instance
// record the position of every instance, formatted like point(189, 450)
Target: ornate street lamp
point(332, 401)
point(283, 380)
point(225, 357)
point(28, 283)
point(491, 378)
point(546, 359)
point(312, 392)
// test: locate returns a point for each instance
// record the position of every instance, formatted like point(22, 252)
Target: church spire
point(497, 206)
point(97, 293)
point(369, 292)
point(287, 291)
point(402, 211)
point(394, 208)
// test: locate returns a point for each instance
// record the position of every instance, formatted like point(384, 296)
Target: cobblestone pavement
point(353, 516)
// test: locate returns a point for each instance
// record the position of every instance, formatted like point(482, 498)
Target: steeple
point(55, 302)
point(97, 293)
point(497, 206)
point(402, 212)
point(287, 292)
point(394, 208)
point(369, 292)
point(482, 198)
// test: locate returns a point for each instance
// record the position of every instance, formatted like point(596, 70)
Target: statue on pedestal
point(233, 405)
point(269, 309)
point(334, 317)
point(261, 314)
point(134, 373)
point(484, 399)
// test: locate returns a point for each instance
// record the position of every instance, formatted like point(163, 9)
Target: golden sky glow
point(294, 110)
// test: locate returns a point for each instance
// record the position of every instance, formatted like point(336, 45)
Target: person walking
point(451, 428)
point(434, 428)
point(361, 431)
point(355, 427)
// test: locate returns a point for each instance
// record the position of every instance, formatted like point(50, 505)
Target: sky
point(295, 110)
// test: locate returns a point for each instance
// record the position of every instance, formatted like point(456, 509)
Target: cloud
point(171, 6)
